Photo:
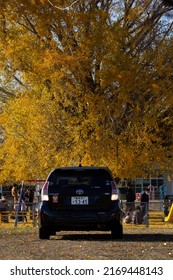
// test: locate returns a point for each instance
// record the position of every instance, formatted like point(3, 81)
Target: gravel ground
point(137, 244)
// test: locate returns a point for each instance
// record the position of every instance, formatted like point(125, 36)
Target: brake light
point(114, 195)
point(44, 192)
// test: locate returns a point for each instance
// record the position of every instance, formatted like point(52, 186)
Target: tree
point(85, 80)
point(168, 2)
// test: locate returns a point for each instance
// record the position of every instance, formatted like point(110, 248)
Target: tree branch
point(60, 8)
point(6, 92)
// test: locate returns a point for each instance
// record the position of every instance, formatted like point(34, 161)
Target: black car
point(80, 198)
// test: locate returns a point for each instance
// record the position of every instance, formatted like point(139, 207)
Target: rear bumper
point(62, 220)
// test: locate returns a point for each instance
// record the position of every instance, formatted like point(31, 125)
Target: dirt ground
point(137, 244)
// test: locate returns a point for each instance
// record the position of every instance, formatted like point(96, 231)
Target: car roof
point(80, 169)
point(77, 168)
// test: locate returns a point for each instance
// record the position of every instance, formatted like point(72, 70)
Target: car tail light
point(44, 192)
point(114, 195)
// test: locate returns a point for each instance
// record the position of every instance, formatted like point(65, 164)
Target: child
point(137, 217)
point(166, 205)
point(23, 210)
point(127, 218)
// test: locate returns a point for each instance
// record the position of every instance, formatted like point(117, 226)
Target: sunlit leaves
point(88, 84)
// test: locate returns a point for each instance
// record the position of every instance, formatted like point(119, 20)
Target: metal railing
point(12, 214)
point(154, 205)
point(154, 213)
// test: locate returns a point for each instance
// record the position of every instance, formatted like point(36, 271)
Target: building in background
point(158, 186)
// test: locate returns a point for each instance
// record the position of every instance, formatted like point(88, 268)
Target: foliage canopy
point(89, 81)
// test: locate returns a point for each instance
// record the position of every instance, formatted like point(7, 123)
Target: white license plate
point(79, 200)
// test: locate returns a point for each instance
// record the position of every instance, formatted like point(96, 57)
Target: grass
point(20, 225)
point(155, 226)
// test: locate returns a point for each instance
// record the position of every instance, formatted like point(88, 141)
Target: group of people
point(27, 196)
point(25, 203)
point(138, 214)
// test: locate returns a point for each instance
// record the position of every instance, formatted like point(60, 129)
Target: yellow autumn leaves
point(89, 84)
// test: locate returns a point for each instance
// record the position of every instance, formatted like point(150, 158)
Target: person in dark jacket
point(130, 200)
point(166, 205)
point(145, 201)
point(3, 209)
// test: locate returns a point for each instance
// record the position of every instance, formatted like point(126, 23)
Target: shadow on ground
point(158, 237)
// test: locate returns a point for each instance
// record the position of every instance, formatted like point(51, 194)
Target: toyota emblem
point(79, 191)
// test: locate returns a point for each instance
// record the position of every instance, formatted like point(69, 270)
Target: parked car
point(80, 198)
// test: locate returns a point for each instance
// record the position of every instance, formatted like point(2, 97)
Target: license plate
point(79, 200)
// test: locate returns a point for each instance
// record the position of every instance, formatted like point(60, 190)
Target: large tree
point(88, 81)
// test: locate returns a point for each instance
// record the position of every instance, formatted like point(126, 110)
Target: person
point(3, 209)
point(137, 217)
point(31, 199)
point(128, 217)
point(166, 205)
point(23, 209)
point(31, 196)
point(145, 201)
point(26, 198)
point(15, 195)
point(130, 200)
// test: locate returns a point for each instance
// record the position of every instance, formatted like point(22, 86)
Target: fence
point(154, 214)
point(22, 211)
point(11, 216)
point(154, 205)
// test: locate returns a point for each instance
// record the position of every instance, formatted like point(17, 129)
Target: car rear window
point(96, 177)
